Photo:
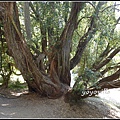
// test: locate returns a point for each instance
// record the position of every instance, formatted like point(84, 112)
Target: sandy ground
point(33, 106)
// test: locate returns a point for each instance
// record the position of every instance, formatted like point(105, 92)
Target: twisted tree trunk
point(56, 83)
point(37, 81)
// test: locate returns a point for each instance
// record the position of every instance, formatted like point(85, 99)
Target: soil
point(21, 104)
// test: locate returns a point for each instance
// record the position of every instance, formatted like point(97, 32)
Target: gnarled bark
point(36, 80)
point(66, 38)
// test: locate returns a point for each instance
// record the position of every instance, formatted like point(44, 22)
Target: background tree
point(5, 60)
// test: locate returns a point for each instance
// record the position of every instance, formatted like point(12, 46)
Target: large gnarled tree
point(53, 79)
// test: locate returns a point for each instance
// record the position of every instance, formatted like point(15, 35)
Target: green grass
point(16, 85)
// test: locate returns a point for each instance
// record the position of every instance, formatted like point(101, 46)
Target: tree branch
point(34, 11)
point(104, 84)
point(66, 40)
point(109, 7)
point(109, 68)
point(107, 60)
point(102, 56)
point(86, 37)
point(110, 78)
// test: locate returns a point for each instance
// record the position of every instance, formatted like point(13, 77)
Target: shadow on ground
point(33, 106)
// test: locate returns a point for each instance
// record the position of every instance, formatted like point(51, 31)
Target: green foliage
point(51, 17)
point(5, 59)
point(87, 79)
point(17, 85)
point(106, 34)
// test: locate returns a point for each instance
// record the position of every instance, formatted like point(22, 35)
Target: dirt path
point(33, 106)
